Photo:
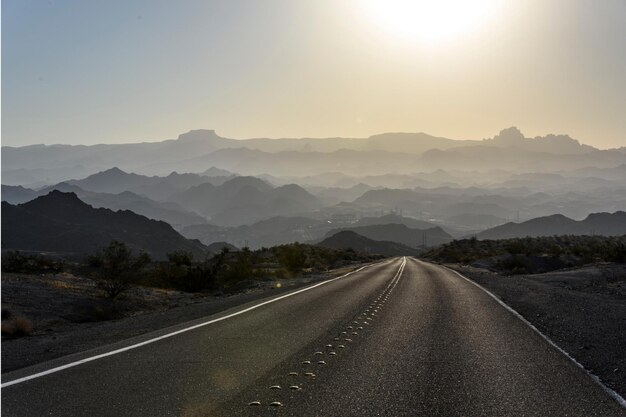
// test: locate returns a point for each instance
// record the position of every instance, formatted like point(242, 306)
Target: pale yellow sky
point(284, 68)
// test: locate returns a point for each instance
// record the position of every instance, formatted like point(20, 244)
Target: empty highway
point(398, 338)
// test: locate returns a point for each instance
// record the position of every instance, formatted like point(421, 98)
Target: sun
point(430, 20)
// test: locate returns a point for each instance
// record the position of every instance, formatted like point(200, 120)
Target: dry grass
point(17, 326)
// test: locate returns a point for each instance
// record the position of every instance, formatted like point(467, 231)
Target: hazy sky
point(118, 71)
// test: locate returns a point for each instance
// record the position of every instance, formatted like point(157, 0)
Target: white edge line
point(168, 335)
point(620, 400)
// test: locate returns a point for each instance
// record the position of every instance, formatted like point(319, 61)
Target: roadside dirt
point(582, 310)
point(69, 314)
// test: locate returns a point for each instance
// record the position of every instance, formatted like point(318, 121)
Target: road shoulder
point(579, 310)
point(20, 353)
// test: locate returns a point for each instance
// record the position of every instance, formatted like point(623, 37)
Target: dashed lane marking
point(171, 334)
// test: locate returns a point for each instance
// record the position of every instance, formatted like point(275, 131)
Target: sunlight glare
point(430, 21)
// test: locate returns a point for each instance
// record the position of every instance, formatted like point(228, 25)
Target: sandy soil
point(582, 310)
point(69, 314)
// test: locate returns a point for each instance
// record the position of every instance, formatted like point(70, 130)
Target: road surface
point(399, 338)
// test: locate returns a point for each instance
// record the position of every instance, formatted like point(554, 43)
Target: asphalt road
point(401, 338)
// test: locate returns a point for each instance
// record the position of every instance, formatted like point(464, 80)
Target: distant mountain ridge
point(462, 186)
point(245, 200)
point(269, 232)
point(196, 150)
point(400, 233)
point(62, 223)
point(606, 224)
point(115, 180)
point(348, 239)
point(558, 144)
point(169, 212)
point(281, 229)
point(393, 218)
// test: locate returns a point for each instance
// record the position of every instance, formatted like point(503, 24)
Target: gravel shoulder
point(70, 315)
point(582, 310)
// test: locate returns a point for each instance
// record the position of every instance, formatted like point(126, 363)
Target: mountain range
point(226, 200)
point(414, 189)
point(400, 233)
point(197, 150)
point(280, 230)
point(182, 199)
point(169, 212)
point(231, 201)
point(269, 232)
point(607, 224)
point(245, 200)
point(348, 239)
point(114, 180)
point(63, 224)
point(59, 222)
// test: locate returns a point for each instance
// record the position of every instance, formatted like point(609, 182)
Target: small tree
point(16, 261)
point(118, 268)
point(292, 257)
point(180, 257)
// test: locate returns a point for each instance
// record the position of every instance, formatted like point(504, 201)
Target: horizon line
point(300, 138)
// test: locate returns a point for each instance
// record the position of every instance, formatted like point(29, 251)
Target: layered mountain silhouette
point(230, 202)
point(197, 150)
point(62, 223)
point(270, 232)
point(435, 203)
point(393, 218)
point(281, 229)
point(557, 144)
point(115, 181)
point(217, 247)
point(476, 220)
point(16, 194)
point(245, 200)
point(348, 239)
point(606, 224)
point(300, 189)
point(334, 195)
point(459, 207)
point(400, 233)
point(169, 212)
point(481, 158)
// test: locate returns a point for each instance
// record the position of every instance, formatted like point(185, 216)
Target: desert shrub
point(296, 256)
point(517, 247)
point(180, 257)
point(19, 262)
point(617, 253)
point(562, 250)
point(193, 277)
point(292, 256)
point(240, 267)
point(225, 271)
point(17, 326)
point(555, 250)
point(117, 268)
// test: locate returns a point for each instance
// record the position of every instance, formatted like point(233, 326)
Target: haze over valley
point(264, 192)
point(313, 208)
